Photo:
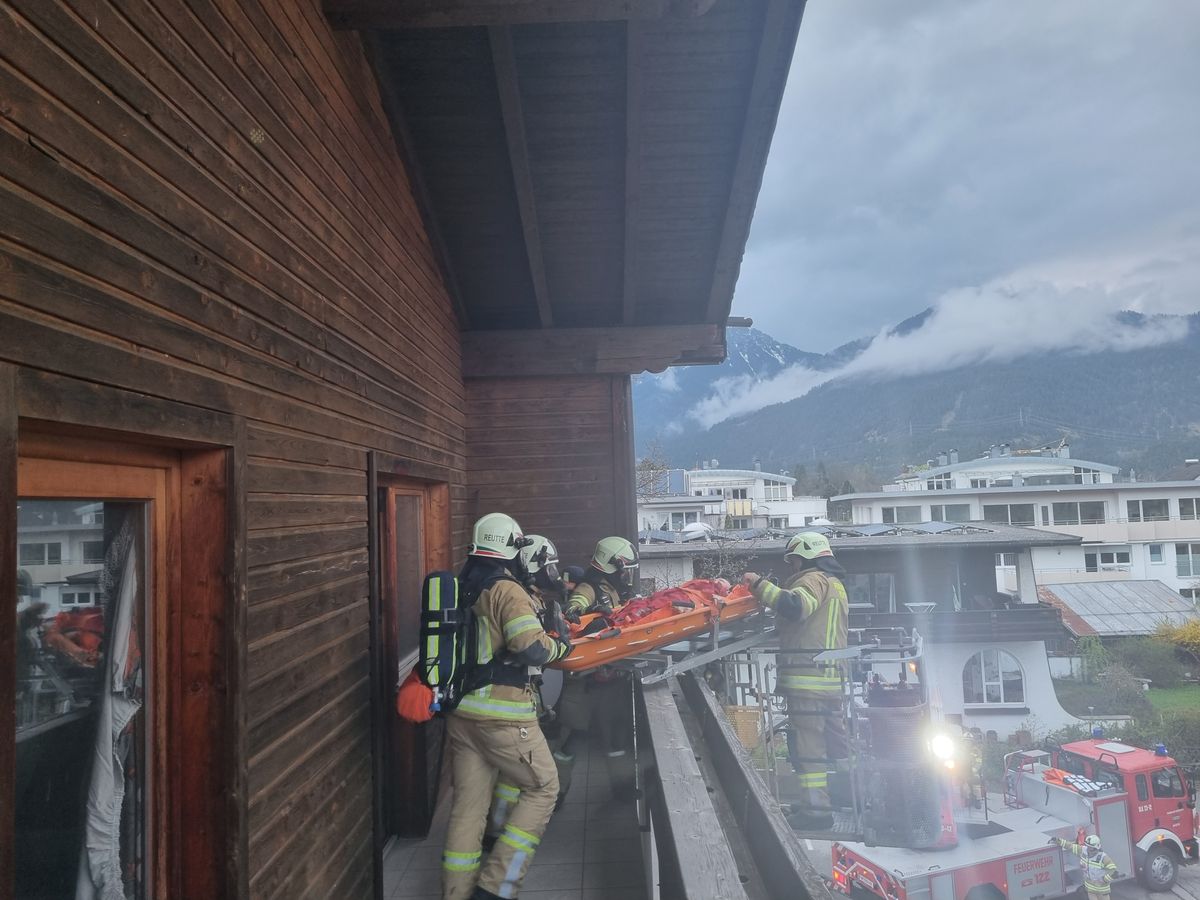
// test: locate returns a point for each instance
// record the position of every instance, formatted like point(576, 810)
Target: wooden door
point(415, 540)
point(119, 670)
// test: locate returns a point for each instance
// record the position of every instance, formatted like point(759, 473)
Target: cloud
point(998, 322)
point(927, 145)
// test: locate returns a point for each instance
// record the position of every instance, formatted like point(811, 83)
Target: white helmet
point(1093, 841)
point(539, 555)
point(497, 536)
point(613, 555)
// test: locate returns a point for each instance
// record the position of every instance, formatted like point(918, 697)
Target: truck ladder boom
point(719, 651)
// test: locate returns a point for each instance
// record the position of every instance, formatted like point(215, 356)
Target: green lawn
point(1176, 699)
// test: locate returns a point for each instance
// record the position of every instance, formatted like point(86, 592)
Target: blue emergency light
point(1160, 749)
point(1097, 732)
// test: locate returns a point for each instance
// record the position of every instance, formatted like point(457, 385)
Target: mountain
point(751, 354)
point(1137, 408)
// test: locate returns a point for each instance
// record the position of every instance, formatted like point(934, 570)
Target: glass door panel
point(82, 804)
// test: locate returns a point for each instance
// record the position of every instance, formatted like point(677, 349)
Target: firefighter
point(1099, 870)
point(540, 561)
point(811, 615)
point(599, 699)
point(493, 734)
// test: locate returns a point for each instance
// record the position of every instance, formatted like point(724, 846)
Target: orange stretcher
point(658, 628)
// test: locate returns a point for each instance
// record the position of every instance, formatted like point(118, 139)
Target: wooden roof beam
point(781, 24)
point(505, 64)
point(367, 14)
point(590, 351)
point(634, 34)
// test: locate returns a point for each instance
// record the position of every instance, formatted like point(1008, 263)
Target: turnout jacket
point(585, 598)
point(811, 615)
point(510, 637)
point(1099, 870)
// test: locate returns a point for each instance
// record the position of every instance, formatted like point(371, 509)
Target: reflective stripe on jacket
point(583, 599)
point(510, 632)
point(811, 615)
point(1099, 871)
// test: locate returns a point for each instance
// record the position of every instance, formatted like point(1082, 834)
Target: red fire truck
point(1140, 802)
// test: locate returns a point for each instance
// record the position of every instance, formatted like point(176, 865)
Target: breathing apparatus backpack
point(447, 667)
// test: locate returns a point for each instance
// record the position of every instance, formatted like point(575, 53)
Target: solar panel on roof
point(873, 529)
point(935, 527)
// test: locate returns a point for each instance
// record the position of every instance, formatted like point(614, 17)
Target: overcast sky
point(1024, 148)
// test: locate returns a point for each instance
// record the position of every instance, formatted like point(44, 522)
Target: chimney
point(943, 458)
point(953, 457)
point(1065, 451)
point(716, 464)
point(1018, 480)
point(757, 464)
point(1004, 448)
point(991, 452)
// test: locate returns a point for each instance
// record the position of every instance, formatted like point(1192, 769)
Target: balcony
point(1028, 622)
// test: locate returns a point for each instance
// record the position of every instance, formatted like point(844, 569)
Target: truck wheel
point(1160, 869)
point(985, 892)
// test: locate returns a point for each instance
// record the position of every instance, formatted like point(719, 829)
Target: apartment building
point(726, 498)
point(1131, 530)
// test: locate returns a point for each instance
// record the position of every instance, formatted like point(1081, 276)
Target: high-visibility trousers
point(482, 753)
point(818, 738)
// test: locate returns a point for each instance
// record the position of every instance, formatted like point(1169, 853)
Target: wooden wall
point(203, 218)
point(556, 454)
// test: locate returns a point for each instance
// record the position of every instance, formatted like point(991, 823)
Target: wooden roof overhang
point(587, 169)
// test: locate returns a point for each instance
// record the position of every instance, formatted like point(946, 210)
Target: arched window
point(993, 676)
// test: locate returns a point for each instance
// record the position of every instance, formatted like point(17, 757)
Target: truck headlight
point(942, 746)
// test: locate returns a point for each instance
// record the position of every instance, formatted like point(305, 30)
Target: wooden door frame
point(385, 471)
point(197, 786)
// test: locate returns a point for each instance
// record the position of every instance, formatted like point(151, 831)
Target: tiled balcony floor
point(591, 849)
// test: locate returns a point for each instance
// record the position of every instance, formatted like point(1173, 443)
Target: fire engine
point(1140, 802)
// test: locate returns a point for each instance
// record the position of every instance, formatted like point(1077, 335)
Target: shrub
point(1153, 658)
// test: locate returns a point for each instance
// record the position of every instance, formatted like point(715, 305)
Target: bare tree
point(653, 472)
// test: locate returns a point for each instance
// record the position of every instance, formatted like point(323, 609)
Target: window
point(1045, 515)
point(979, 482)
point(79, 598)
point(993, 676)
point(893, 515)
point(1008, 513)
point(699, 493)
point(875, 591)
point(739, 523)
point(676, 521)
point(778, 522)
point(1192, 594)
point(940, 483)
point(1089, 513)
point(737, 494)
point(1148, 510)
point(40, 554)
point(1187, 560)
point(1189, 507)
point(950, 512)
point(1111, 560)
point(1156, 553)
point(1006, 559)
point(1167, 783)
point(1142, 792)
point(93, 551)
point(1086, 476)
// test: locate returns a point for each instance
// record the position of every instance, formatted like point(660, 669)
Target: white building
point(61, 553)
point(727, 498)
point(1131, 530)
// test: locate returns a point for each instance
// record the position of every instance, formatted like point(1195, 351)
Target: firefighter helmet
point(540, 555)
point(497, 536)
point(1093, 841)
point(808, 545)
point(613, 555)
